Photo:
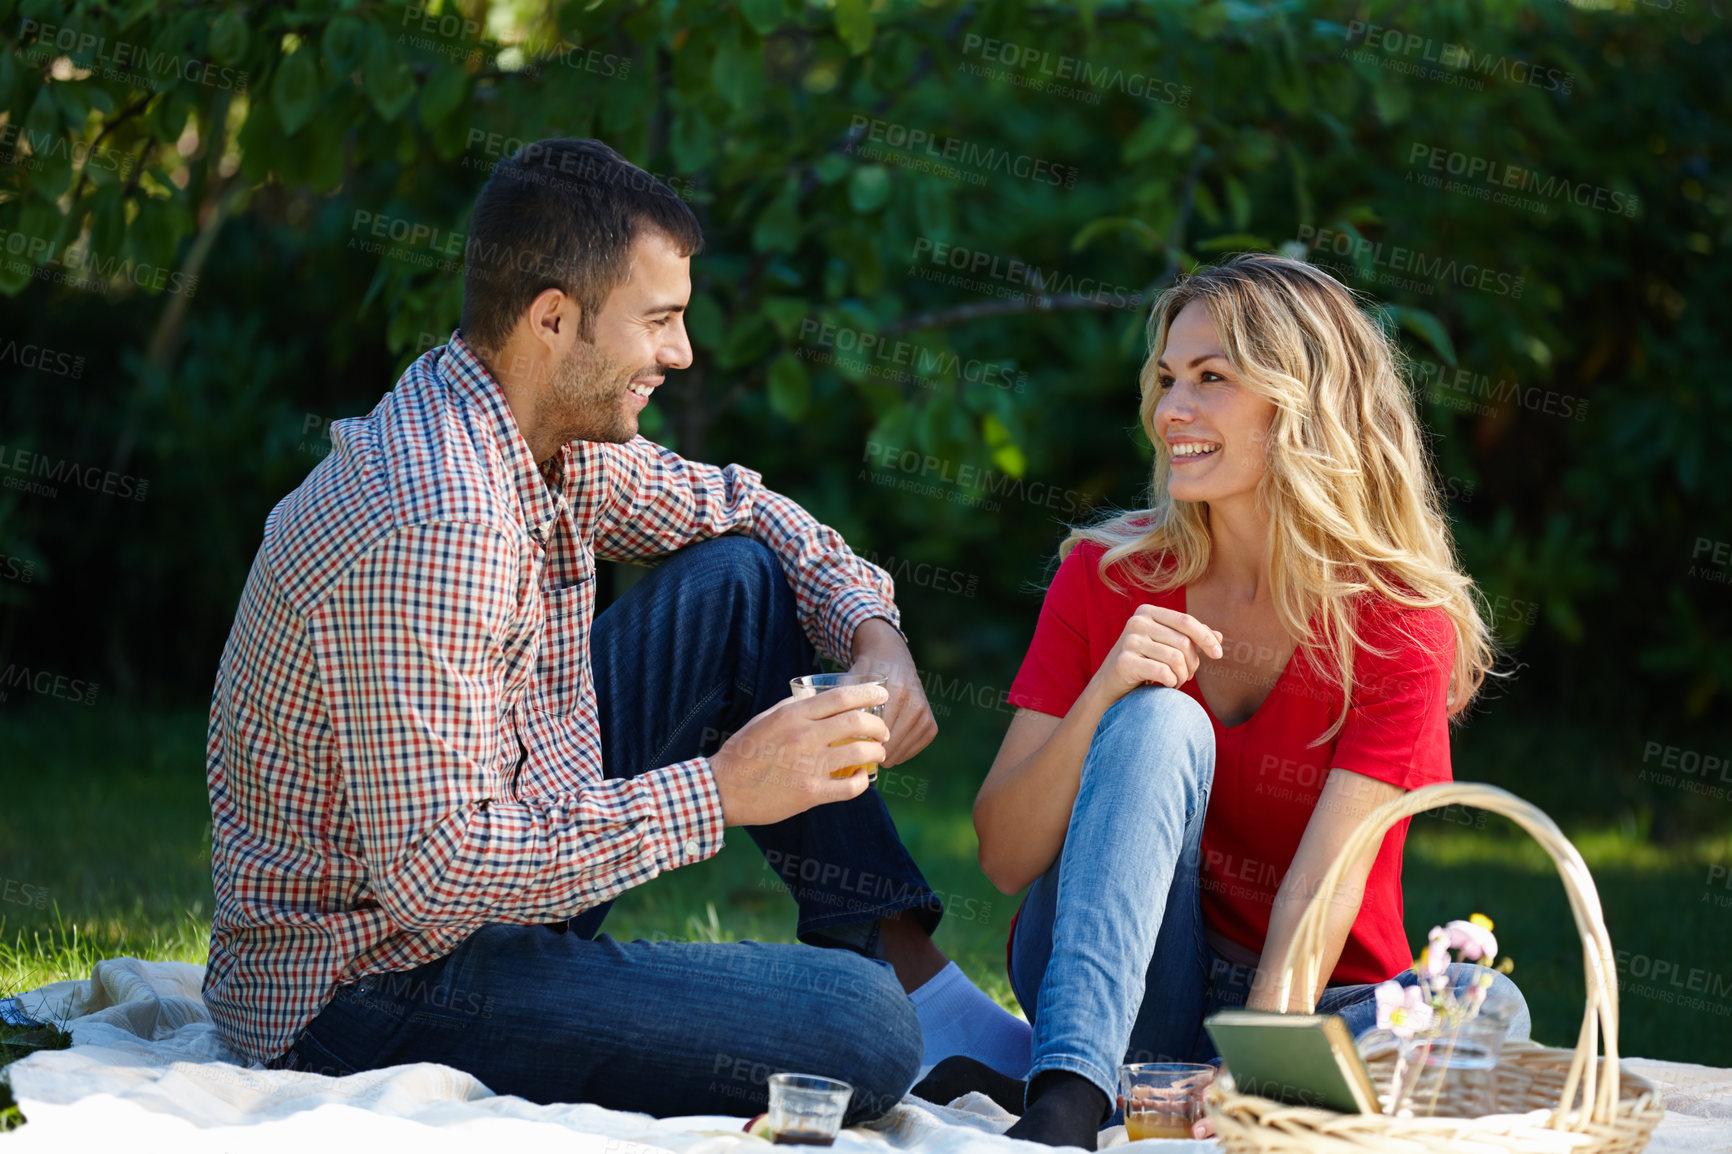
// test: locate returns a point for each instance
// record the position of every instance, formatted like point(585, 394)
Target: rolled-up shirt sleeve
point(658, 501)
point(410, 648)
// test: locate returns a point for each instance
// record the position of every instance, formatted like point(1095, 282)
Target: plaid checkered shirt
point(403, 735)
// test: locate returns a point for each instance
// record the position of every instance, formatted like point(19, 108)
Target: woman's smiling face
point(1215, 429)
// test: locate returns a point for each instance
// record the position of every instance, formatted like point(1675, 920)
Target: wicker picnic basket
point(1550, 1101)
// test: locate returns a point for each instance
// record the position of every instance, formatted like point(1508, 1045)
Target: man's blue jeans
point(1108, 959)
point(703, 643)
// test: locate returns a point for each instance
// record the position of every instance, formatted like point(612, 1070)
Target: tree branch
point(124, 115)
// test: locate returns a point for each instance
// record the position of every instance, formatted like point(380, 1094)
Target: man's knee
point(878, 1036)
point(736, 559)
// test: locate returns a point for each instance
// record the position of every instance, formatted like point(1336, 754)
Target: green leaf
point(1236, 242)
point(932, 208)
point(388, 79)
point(1203, 200)
point(295, 91)
point(692, 139)
point(1427, 327)
point(833, 167)
point(854, 24)
point(738, 70)
point(1238, 201)
point(1112, 226)
point(790, 387)
point(14, 275)
point(704, 320)
point(778, 228)
point(42, 220)
point(343, 46)
point(764, 16)
point(8, 78)
point(107, 221)
point(1009, 459)
point(787, 314)
point(1391, 99)
point(442, 93)
point(746, 342)
point(228, 37)
point(1150, 136)
point(868, 188)
point(43, 122)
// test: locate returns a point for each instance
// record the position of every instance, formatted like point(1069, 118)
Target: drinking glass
point(1450, 1072)
point(806, 1109)
point(1163, 1099)
point(816, 683)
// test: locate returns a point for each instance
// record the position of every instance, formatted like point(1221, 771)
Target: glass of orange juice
point(815, 683)
point(1163, 1099)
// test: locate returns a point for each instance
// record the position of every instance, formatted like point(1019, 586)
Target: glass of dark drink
point(806, 1109)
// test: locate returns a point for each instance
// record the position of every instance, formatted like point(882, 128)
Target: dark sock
point(1064, 1109)
point(959, 1074)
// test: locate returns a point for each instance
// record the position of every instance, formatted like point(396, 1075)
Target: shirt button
point(691, 847)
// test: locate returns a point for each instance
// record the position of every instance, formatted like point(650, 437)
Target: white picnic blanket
point(147, 1071)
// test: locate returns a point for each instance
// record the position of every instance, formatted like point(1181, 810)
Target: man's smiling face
point(600, 387)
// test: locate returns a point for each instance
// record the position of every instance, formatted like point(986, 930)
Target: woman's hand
point(1156, 647)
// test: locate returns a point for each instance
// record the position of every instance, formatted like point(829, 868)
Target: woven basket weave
point(1550, 1101)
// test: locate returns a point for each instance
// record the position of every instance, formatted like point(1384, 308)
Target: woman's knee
point(1505, 1000)
point(1159, 721)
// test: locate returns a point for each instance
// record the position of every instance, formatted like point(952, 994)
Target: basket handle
point(1600, 1016)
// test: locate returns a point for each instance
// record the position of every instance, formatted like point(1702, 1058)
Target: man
point(430, 772)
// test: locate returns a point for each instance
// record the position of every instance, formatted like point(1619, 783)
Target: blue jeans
point(1108, 959)
point(555, 1013)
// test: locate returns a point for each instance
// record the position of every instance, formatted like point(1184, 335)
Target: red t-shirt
point(1267, 781)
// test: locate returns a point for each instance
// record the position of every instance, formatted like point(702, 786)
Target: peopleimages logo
point(47, 683)
point(1042, 70)
point(1489, 176)
point(1395, 258)
point(1457, 58)
point(93, 478)
point(124, 60)
point(923, 144)
point(30, 148)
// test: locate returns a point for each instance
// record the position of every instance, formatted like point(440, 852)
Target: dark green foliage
point(309, 167)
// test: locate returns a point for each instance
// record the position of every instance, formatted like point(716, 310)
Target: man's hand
point(879, 648)
point(779, 764)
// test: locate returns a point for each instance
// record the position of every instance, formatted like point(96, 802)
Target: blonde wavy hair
point(1354, 503)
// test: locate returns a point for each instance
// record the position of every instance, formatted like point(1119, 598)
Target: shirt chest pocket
point(561, 684)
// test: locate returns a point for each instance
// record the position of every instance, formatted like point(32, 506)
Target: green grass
point(107, 816)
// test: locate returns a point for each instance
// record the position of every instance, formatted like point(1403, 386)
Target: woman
point(1219, 688)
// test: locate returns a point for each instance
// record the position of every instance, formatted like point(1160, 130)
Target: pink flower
point(1403, 1010)
point(1476, 942)
point(1434, 959)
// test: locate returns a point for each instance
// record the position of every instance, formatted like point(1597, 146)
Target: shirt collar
point(473, 382)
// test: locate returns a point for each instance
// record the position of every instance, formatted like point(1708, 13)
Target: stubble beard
point(589, 391)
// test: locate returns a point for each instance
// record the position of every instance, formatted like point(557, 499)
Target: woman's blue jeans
point(1108, 959)
point(554, 1013)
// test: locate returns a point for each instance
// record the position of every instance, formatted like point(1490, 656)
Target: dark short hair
point(560, 214)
